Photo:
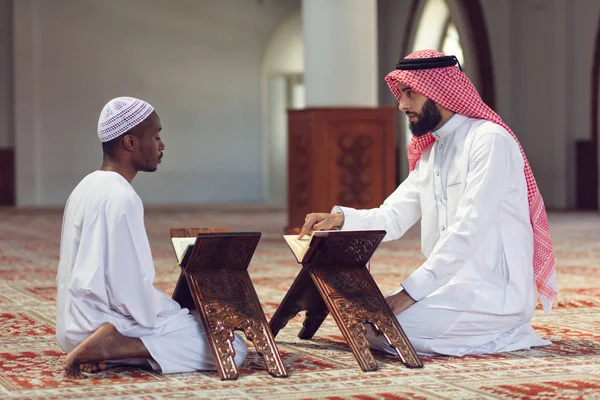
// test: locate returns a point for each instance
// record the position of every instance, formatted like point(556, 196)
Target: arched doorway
point(282, 88)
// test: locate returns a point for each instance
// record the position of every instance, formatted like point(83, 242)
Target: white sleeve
point(398, 213)
point(130, 268)
point(485, 187)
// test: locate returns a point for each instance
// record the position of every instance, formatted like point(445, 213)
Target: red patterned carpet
point(30, 359)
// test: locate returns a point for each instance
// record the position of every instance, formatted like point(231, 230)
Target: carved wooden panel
point(228, 285)
point(346, 280)
point(355, 157)
point(339, 156)
point(344, 251)
point(221, 250)
point(300, 159)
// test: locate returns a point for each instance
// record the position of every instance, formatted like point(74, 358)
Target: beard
point(150, 164)
point(428, 119)
point(149, 168)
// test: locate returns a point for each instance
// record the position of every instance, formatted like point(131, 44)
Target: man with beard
point(484, 229)
point(108, 310)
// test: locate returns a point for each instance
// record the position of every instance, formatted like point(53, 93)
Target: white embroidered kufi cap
point(120, 115)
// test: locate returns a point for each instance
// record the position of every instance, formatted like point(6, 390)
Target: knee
point(416, 324)
point(241, 350)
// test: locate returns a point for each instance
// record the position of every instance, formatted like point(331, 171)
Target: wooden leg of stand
point(246, 317)
point(393, 333)
point(258, 331)
point(313, 320)
point(302, 295)
point(350, 318)
point(260, 335)
point(282, 316)
point(354, 299)
point(222, 320)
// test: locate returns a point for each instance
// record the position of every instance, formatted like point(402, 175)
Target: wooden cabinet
point(339, 156)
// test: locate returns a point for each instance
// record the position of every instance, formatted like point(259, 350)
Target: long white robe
point(106, 274)
point(475, 292)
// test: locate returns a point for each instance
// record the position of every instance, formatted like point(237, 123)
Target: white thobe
point(475, 293)
point(106, 274)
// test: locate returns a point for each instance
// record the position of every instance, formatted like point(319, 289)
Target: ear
point(129, 142)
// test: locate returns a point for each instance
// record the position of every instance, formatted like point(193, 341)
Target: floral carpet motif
point(321, 368)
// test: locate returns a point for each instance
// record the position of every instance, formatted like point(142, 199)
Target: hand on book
point(321, 222)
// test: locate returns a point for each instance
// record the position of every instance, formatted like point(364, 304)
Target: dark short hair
point(109, 147)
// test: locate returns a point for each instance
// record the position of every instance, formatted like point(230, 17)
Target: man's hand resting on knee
point(400, 302)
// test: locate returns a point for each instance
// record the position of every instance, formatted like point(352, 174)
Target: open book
point(182, 246)
point(298, 246)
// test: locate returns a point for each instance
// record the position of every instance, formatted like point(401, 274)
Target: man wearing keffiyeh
point(484, 229)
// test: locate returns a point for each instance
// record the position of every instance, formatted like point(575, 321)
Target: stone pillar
point(340, 52)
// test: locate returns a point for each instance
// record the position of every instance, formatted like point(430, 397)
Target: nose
point(162, 146)
point(403, 104)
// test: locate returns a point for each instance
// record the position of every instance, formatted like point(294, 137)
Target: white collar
point(449, 126)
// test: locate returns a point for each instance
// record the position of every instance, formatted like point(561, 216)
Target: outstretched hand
point(321, 222)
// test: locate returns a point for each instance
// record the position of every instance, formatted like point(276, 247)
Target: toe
point(74, 373)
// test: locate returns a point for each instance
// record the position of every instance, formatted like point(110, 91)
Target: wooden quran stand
point(334, 278)
point(215, 281)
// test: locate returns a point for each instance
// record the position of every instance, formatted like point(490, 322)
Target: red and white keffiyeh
point(450, 88)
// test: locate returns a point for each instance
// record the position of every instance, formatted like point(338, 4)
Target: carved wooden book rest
point(215, 281)
point(334, 278)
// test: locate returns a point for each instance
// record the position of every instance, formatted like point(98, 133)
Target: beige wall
point(197, 62)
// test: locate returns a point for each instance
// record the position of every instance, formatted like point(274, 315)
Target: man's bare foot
point(93, 367)
point(106, 343)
